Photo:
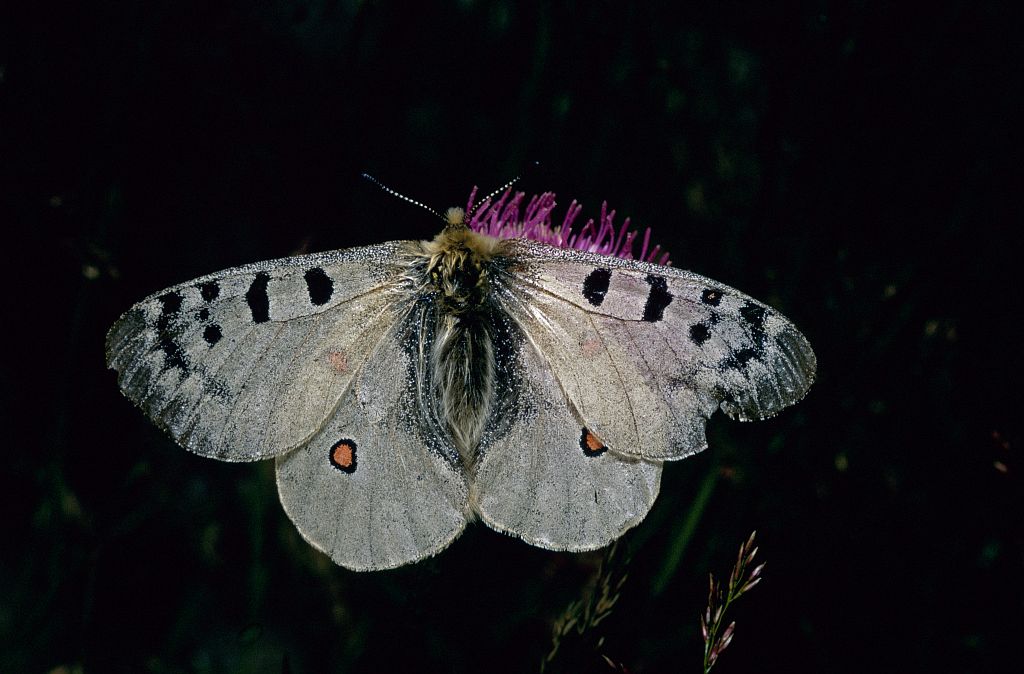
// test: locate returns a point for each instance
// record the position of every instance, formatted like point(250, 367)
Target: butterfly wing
point(540, 475)
point(247, 363)
point(646, 353)
point(606, 368)
point(376, 488)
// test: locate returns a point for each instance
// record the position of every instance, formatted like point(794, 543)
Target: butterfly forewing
point(248, 363)
point(646, 353)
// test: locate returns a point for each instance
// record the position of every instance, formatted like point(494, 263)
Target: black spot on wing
point(595, 286)
point(319, 285)
point(711, 297)
point(209, 290)
point(203, 314)
point(739, 359)
point(699, 334)
point(257, 299)
point(212, 334)
point(755, 317)
point(170, 303)
point(174, 355)
point(657, 299)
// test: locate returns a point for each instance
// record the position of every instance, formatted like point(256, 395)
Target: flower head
point(506, 217)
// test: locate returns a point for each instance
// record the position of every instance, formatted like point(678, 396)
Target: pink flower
point(507, 218)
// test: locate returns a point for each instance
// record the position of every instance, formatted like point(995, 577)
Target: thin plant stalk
point(717, 639)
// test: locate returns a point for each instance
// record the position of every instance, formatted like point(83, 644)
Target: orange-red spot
point(343, 455)
point(591, 444)
point(590, 347)
point(339, 361)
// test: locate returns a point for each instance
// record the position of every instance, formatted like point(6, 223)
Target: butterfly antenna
point(501, 189)
point(401, 196)
point(493, 194)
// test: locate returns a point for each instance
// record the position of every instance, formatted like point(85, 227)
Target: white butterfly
point(407, 388)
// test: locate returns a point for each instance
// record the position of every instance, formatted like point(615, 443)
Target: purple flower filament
point(507, 218)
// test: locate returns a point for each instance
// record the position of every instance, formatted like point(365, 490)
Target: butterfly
point(407, 388)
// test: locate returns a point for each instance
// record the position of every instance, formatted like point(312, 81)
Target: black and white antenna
point(498, 191)
point(493, 194)
point(401, 196)
point(452, 213)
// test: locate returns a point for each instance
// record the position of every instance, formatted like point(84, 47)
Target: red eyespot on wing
point(339, 361)
point(590, 444)
point(590, 347)
point(343, 455)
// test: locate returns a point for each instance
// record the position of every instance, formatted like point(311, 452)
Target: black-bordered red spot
point(591, 444)
point(343, 455)
point(711, 297)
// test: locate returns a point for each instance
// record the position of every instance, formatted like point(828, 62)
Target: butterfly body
point(462, 359)
point(407, 388)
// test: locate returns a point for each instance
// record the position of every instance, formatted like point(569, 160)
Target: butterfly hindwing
point(249, 362)
point(372, 489)
point(646, 353)
point(546, 478)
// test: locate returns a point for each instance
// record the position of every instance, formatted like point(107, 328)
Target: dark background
point(849, 163)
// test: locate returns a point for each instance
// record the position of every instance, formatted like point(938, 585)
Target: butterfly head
point(455, 217)
point(456, 260)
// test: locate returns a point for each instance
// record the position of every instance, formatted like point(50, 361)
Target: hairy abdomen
point(462, 361)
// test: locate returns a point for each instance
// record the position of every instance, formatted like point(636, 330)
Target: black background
point(849, 163)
